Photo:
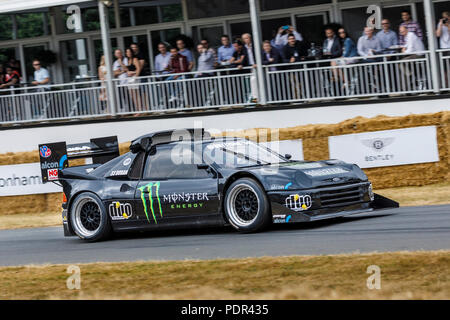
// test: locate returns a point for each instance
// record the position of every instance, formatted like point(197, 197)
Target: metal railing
point(391, 74)
point(62, 101)
point(182, 91)
point(348, 78)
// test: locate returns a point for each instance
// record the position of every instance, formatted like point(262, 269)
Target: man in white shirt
point(119, 67)
point(41, 75)
point(412, 46)
point(162, 59)
point(281, 39)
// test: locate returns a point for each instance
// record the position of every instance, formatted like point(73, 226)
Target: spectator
point(368, 45)
point(187, 53)
point(284, 32)
point(387, 37)
point(413, 43)
point(102, 70)
point(412, 26)
point(295, 50)
point(442, 31)
point(15, 66)
point(240, 55)
point(120, 67)
point(144, 69)
point(331, 45)
point(226, 51)
point(206, 61)
point(348, 45)
point(12, 78)
point(133, 69)
point(270, 55)
point(247, 39)
point(348, 51)
point(205, 44)
point(41, 75)
point(162, 59)
point(178, 63)
point(2, 75)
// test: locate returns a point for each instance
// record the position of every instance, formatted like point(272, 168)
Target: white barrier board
point(386, 148)
point(23, 179)
point(292, 147)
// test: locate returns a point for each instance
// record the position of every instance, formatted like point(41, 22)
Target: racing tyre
point(246, 206)
point(89, 218)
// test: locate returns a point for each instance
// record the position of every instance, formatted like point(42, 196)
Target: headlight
point(371, 194)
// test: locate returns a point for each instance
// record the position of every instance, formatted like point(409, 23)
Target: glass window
point(269, 27)
point(159, 165)
point(5, 27)
point(171, 13)
point(74, 58)
point(354, 21)
point(6, 54)
point(214, 8)
point(30, 25)
point(98, 47)
point(168, 36)
point(240, 153)
point(283, 4)
point(130, 14)
point(312, 28)
point(239, 28)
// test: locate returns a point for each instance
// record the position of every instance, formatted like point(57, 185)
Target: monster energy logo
point(149, 188)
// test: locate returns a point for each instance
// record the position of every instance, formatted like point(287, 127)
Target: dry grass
point(404, 275)
point(419, 196)
point(31, 220)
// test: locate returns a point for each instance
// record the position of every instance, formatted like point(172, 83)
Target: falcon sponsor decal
point(149, 203)
point(325, 172)
point(298, 202)
point(281, 218)
point(120, 211)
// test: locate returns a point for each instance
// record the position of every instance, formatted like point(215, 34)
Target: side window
point(160, 166)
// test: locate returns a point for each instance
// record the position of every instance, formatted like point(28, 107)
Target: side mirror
point(288, 156)
point(202, 166)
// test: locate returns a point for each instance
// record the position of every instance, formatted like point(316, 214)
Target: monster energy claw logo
point(149, 188)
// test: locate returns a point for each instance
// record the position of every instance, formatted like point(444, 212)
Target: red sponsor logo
point(52, 174)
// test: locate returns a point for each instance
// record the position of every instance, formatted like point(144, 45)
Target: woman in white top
point(102, 70)
point(442, 31)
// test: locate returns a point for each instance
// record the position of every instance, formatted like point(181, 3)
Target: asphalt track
point(408, 228)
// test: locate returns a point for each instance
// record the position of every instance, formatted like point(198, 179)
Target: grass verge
point(404, 275)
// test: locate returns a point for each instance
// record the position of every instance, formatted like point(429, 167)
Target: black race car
point(189, 179)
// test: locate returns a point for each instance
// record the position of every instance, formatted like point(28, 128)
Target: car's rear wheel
point(89, 218)
point(246, 206)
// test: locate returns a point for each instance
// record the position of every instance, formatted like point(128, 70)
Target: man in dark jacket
point(331, 45)
point(270, 55)
point(295, 51)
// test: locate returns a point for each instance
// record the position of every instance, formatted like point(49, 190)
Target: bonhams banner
point(23, 179)
point(386, 148)
point(292, 147)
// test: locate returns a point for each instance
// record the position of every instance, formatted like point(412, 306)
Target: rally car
point(187, 178)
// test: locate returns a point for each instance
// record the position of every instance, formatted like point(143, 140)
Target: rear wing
point(55, 156)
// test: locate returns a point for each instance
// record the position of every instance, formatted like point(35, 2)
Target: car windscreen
point(240, 153)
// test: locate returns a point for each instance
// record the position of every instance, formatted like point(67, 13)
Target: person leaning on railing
point(368, 45)
point(413, 45)
point(12, 80)
point(178, 64)
point(295, 50)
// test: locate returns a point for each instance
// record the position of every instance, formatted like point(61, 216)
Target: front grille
point(341, 196)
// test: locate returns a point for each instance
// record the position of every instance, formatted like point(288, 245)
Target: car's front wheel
point(89, 218)
point(246, 206)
